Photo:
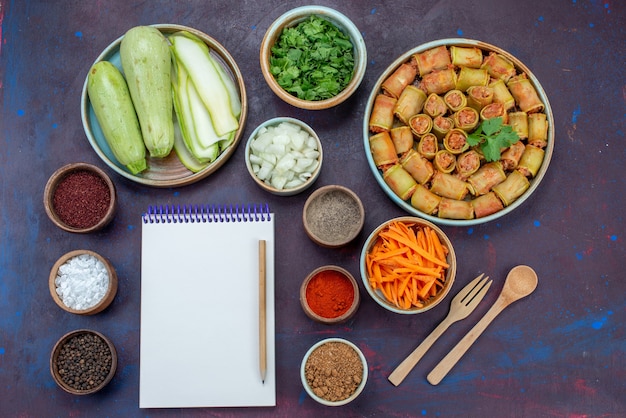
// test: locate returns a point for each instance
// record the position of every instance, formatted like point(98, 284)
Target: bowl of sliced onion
point(284, 156)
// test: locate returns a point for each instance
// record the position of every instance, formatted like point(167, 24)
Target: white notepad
point(199, 332)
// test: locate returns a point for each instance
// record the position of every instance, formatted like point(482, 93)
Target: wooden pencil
point(262, 311)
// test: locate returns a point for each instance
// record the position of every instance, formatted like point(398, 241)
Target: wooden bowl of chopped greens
point(328, 43)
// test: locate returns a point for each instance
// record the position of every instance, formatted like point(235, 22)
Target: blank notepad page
point(200, 308)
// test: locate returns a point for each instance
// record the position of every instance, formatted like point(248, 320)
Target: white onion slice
point(284, 156)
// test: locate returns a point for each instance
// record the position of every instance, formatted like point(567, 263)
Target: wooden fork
point(461, 306)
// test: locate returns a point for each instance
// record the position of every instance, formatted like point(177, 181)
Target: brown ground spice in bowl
point(334, 371)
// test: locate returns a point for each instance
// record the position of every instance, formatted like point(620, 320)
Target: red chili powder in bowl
point(329, 294)
point(81, 199)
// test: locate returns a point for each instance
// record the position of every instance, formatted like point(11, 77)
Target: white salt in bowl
point(258, 165)
point(82, 282)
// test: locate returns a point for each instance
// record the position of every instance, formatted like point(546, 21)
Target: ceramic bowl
point(61, 216)
point(333, 216)
point(465, 217)
point(168, 171)
point(74, 277)
point(293, 131)
point(58, 371)
point(338, 362)
point(294, 17)
point(431, 301)
point(345, 308)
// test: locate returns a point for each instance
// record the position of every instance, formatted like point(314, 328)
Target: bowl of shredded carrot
point(408, 265)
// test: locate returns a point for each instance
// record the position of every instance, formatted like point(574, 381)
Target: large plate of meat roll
point(458, 131)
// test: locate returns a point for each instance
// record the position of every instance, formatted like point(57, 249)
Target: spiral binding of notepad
point(207, 213)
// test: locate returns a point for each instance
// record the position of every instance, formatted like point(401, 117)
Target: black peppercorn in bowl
point(80, 198)
point(83, 362)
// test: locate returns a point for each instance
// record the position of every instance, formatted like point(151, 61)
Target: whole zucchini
point(114, 110)
point(147, 65)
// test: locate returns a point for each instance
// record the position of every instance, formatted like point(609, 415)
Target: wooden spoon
point(520, 282)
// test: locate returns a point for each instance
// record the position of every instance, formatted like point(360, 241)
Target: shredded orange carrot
point(407, 263)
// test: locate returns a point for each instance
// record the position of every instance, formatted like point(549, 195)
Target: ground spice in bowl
point(80, 198)
point(334, 372)
point(333, 216)
point(330, 295)
point(83, 362)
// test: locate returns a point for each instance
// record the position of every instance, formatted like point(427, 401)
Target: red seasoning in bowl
point(329, 294)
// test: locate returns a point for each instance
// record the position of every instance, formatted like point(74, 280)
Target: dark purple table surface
point(558, 353)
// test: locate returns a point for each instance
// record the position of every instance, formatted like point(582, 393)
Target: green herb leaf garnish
point(492, 136)
point(313, 60)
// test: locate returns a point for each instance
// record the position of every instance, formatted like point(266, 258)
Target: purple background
point(557, 353)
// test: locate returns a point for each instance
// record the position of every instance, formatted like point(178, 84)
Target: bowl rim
point(327, 189)
point(341, 318)
point(231, 65)
point(54, 355)
point(54, 180)
point(450, 274)
point(358, 390)
point(534, 184)
point(284, 192)
point(295, 16)
point(106, 299)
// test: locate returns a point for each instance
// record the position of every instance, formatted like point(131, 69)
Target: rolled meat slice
point(411, 102)
point(399, 79)
point(381, 118)
point(399, 181)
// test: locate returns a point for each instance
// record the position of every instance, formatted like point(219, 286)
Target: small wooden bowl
point(333, 216)
point(291, 19)
point(311, 392)
point(60, 175)
point(106, 299)
point(54, 366)
point(311, 313)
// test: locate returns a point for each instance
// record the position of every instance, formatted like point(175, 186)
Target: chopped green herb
point(492, 135)
point(313, 60)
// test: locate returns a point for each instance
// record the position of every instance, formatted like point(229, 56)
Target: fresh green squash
point(147, 65)
point(112, 105)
